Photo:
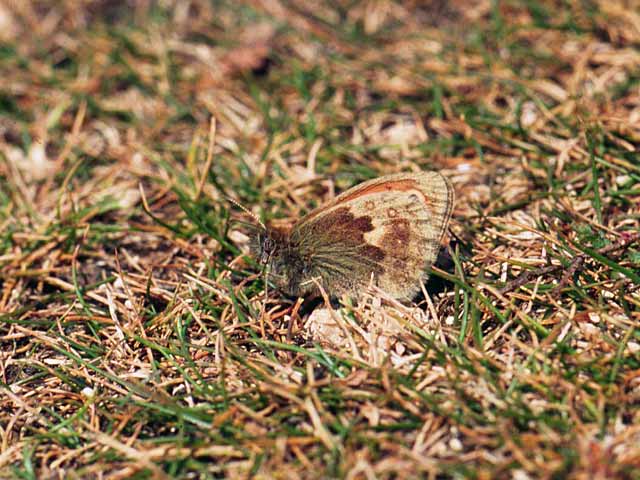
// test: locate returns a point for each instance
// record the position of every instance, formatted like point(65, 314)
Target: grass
point(132, 340)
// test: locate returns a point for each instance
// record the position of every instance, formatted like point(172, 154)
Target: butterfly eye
point(268, 247)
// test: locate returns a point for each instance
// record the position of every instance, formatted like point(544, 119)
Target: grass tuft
point(133, 341)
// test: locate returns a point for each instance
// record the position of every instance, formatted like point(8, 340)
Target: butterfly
point(388, 230)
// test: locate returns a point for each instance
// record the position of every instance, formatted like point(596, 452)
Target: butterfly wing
point(390, 227)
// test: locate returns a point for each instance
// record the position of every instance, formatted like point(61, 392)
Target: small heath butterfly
point(389, 228)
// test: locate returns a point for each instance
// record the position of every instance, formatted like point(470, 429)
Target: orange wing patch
point(405, 185)
point(371, 188)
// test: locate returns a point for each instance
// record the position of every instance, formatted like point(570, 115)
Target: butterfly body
point(387, 230)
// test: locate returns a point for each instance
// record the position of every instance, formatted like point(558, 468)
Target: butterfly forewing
point(390, 227)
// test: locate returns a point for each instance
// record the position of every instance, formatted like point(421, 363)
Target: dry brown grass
point(131, 339)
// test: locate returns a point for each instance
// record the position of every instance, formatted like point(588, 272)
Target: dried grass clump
point(135, 337)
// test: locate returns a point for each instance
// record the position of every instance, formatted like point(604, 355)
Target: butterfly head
point(267, 247)
point(281, 258)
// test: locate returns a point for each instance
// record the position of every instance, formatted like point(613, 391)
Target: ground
point(133, 337)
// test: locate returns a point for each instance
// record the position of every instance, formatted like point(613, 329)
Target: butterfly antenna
point(247, 211)
point(266, 272)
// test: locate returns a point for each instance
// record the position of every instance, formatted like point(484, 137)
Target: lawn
point(137, 338)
